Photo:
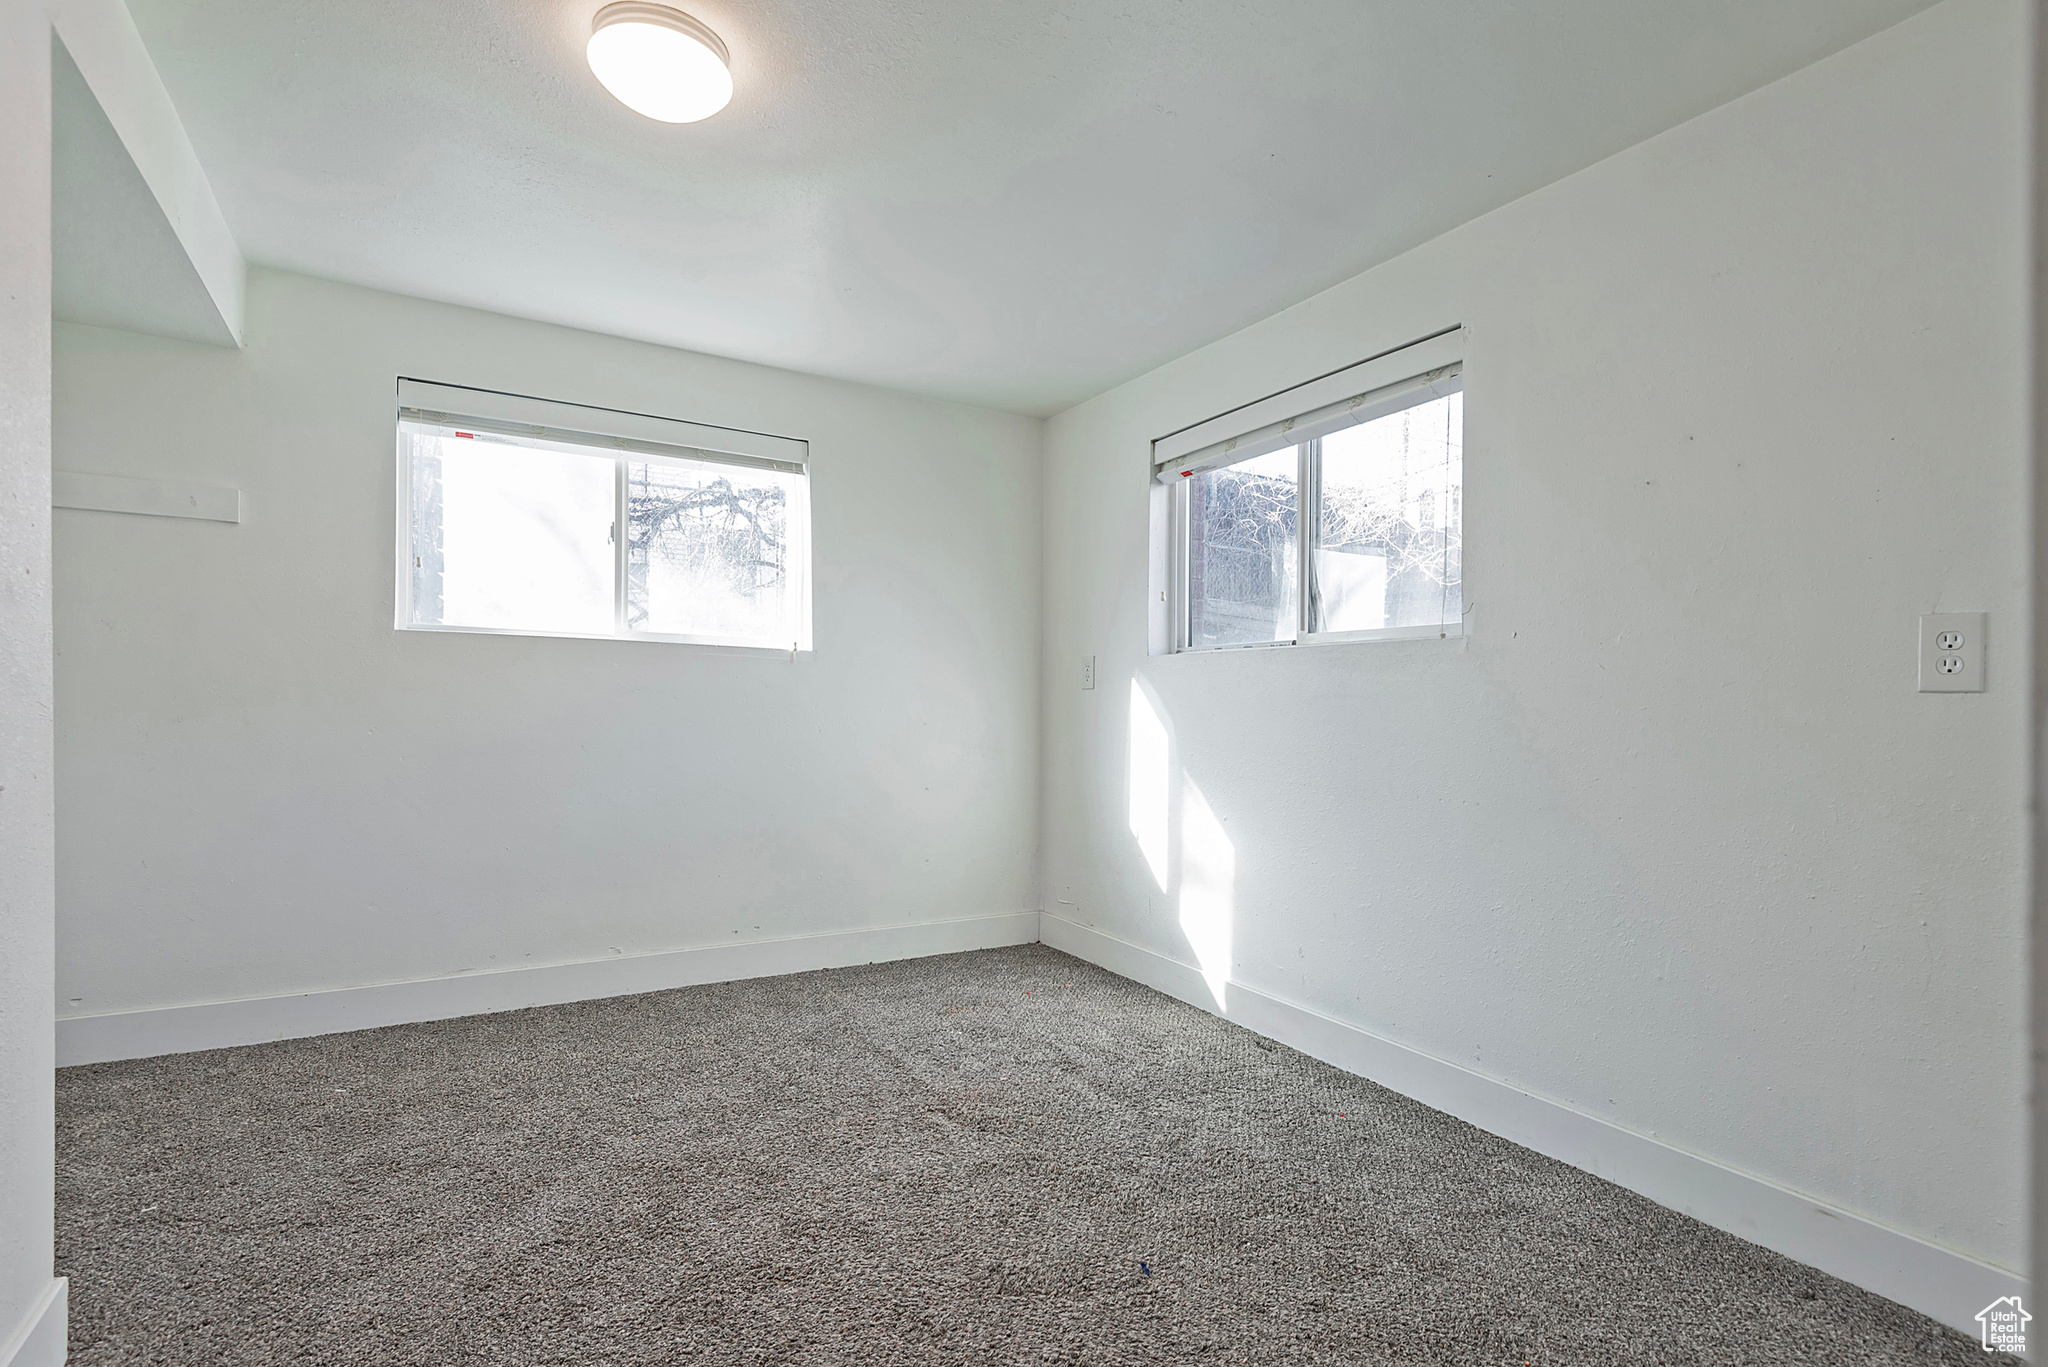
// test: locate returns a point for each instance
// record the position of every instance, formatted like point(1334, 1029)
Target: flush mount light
point(659, 61)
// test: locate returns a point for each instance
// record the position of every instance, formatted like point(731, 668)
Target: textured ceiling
point(1016, 203)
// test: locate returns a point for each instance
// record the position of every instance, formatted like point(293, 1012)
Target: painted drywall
point(2037, 734)
point(134, 109)
point(141, 173)
point(115, 259)
point(264, 788)
point(26, 792)
point(1670, 837)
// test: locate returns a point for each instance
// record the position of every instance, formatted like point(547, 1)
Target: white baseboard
point(254, 1020)
point(39, 1340)
point(1938, 1282)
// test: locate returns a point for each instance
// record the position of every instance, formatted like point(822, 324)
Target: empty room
point(1019, 681)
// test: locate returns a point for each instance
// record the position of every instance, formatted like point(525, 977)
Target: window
point(511, 512)
point(1304, 517)
point(1243, 560)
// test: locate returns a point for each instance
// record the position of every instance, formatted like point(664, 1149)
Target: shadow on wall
point(1168, 817)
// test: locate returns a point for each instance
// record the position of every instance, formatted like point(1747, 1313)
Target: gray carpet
point(992, 1158)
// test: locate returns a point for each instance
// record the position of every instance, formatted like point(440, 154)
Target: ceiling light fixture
point(659, 61)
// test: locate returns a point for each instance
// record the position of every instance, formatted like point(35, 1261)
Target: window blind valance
point(1414, 374)
point(516, 415)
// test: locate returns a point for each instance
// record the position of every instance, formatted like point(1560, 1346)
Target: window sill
point(647, 637)
point(1446, 632)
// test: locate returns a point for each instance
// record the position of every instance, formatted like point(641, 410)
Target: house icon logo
point(2005, 1325)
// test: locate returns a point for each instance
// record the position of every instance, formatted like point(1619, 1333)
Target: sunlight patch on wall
point(1150, 783)
point(1208, 879)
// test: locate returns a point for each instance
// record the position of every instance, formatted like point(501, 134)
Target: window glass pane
point(1241, 552)
point(1389, 534)
point(511, 537)
point(709, 551)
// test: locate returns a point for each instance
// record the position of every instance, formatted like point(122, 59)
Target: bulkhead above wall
point(137, 239)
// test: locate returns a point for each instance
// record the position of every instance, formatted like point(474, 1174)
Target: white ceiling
point(1016, 203)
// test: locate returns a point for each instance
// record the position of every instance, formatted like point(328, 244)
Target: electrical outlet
point(1087, 671)
point(1952, 652)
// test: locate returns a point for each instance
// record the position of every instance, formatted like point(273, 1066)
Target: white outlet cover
point(1952, 652)
point(1087, 671)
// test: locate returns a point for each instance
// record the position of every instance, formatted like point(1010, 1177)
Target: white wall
point(1671, 838)
point(26, 1091)
point(263, 788)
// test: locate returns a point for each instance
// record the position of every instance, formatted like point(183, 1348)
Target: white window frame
point(1407, 377)
point(579, 429)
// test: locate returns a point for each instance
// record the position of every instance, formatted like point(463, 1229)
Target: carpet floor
point(992, 1158)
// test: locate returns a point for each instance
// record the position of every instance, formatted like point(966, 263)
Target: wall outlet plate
point(1952, 652)
point(1087, 671)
